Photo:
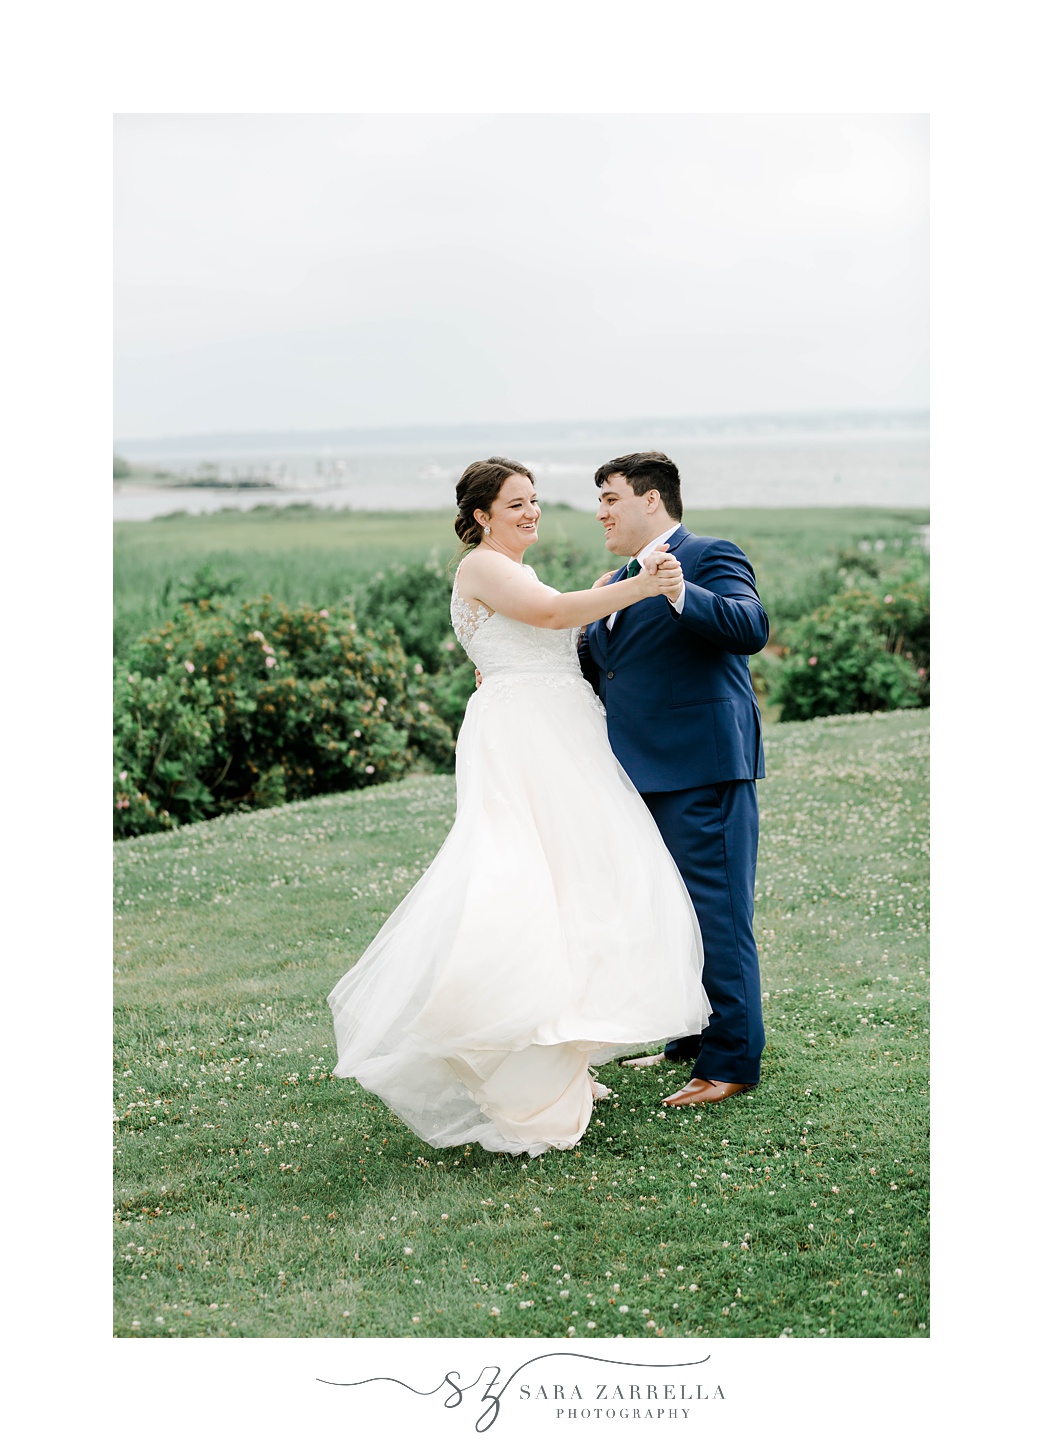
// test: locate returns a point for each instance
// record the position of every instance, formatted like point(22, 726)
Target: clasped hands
point(660, 573)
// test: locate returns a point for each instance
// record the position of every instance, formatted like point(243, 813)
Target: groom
point(683, 722)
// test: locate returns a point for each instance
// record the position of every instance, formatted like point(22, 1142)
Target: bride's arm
point(508, 589)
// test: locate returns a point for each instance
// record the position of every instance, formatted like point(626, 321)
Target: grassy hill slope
point(258, 1196)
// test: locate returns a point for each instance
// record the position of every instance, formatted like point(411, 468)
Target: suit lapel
point(620, 574)
point(624, 613)
point(598, 632)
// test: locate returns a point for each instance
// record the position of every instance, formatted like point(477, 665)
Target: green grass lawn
point(258, 1196)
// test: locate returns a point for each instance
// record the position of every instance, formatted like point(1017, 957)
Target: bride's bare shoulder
point(483, 567)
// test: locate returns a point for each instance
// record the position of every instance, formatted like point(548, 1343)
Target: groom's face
point(629, 520)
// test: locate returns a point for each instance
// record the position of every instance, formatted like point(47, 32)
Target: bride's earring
point(486, 530)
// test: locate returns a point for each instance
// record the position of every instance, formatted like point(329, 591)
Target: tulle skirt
point(551, 932)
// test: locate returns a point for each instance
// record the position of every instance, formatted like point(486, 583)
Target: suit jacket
point(676, 686)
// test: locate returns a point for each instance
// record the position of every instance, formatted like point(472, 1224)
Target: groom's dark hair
point(644, 471)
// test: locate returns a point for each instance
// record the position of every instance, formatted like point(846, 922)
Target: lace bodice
point(502, 647)
point(466, 617)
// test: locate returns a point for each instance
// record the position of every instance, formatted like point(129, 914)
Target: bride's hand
point(660, 575)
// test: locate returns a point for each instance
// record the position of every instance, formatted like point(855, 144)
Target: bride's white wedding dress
point(551, 931)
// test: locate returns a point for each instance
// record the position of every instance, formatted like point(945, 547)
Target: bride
point(552, 931)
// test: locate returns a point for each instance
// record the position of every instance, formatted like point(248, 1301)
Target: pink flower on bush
point(889, 599)
point(123, 775)
point(324, 614)
point(370, 770)
point(190, 667)
point(813, 660)
point(122, 803)
point(921, 672)
point(269, 661)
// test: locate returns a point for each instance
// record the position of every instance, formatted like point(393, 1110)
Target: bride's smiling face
point(513, 515)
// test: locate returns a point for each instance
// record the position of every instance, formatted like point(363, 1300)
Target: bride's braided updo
point(478, 488)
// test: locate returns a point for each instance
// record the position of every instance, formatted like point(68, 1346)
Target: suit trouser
point(711, 833)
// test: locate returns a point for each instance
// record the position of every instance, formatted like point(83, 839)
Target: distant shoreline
point(689, 429)
point(871, 461)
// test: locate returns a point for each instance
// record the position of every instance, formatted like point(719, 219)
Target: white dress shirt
point(642, 554)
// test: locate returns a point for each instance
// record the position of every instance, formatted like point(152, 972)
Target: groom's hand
point(667, 570)
point(603, 579)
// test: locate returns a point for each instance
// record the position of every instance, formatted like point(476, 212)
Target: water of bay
point(769, 462)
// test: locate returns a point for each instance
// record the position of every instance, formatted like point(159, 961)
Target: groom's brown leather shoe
point(704, 1090)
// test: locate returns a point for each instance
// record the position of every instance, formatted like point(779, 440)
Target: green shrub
point(850, 568)
point(568, 566)
point(204, 583)
point(164, 728)
point(865, 649)
point(414, 600)
point(232, 706)
point(901, 608)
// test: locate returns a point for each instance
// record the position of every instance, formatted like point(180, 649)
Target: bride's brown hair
point(478, 488)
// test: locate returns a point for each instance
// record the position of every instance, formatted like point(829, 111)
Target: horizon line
point(427, 429)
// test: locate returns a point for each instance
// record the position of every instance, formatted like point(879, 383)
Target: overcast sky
point(285, 272)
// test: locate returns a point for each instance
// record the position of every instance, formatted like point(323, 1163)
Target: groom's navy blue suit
point(684, 724)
